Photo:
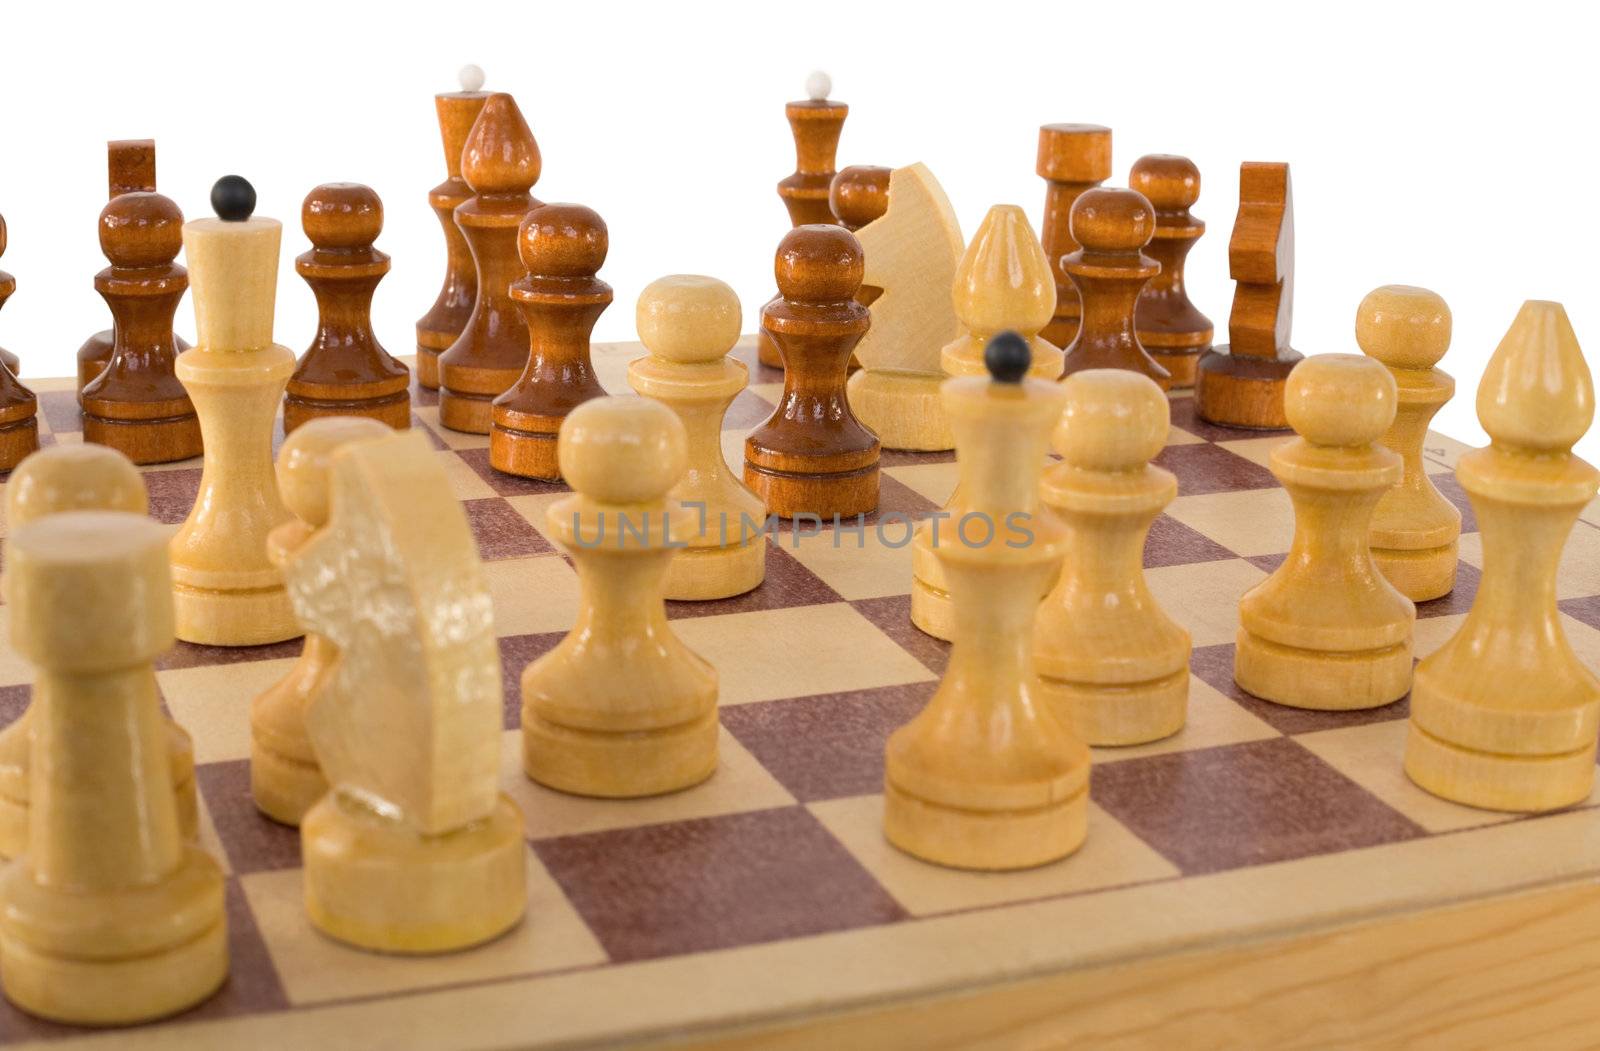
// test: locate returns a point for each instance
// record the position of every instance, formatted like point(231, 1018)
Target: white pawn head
point(471, 78)
point(1113, 420)
point(619, 450)
point(818, 85)
point(1342, 400)
point(77, 477)
point(1404, 327)
point(306, 456)
point(688, 318)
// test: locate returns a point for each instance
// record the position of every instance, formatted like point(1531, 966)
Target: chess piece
point(1073, 158)
point(689, 324)
point(859, 195)
point(130, 168)
point(285, 777)
point(135, 404)
point(812, 456)
point(1170, 327)
point(1241, 383)
point(621, 707)
point(1004, 283)
point(1111, 663)
point(414, 849)
point(1415, 529)
point(226, 591)
point(442, 324)
point(1504, 715)
point(109, 917)
point(912, 252)
point(562, 247)
point(345, 371)
point(1108, 271)
point(62, 478)
point(816, 123)
point(1326, 630)
point(19, 409)
point(986, 776)
point(500, 161)
point(8, 285)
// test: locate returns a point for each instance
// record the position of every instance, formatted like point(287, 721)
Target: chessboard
point(1268, 876)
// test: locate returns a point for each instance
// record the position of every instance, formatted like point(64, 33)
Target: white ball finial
point(818, 84)
point(471, 78)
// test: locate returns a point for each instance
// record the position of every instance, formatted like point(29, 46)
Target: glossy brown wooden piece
point(443, 322)
point(8, 285)
point(136, 404)
point(1109, 271)
point(19, 409)
point(1171, 328)
point(1072, 158)
point(345, 371)
point(500, 162)
point(1240, 384)
point(562, 247)
point(130, 168)
point(859, 195)
point(812, 456)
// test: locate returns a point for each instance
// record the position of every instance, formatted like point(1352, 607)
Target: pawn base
point(700, 574)
point(526, 454)
point(1517, 783)
point(284, 788)
point(902, 408)
point(1122, 713)
point(1320, 680)
point(174, 956)
point(427, 365)
point(1237, 390)
point(989, 840)
point(472, 411)
point(932, 612)
point(393, 410)
point(1182, 362)
point(18, 441)
point(379, 884)
point(146, 441)
point(787, 494)
point(251, 617)
point(1419, 575)
point(622, 764)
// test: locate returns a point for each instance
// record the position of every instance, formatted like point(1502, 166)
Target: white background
point(1446, 147)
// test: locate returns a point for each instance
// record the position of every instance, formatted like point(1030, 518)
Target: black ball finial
point(233, 198)
point(1007, 357)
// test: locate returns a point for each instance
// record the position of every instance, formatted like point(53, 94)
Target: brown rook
point(1072, 158)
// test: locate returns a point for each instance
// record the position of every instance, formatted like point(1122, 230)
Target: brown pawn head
point(77, 477)
point(689, 319)
point(1113, 420)
point(1343, 400)
point(141, 230)
point(307, 456)
point(501, 156)
point(342, 215)
point(623, 450)
point(1170, 183)
point(1112, 220)
point(1403, 327)
point(563, 240)
point(859, 195)
point(819, 264)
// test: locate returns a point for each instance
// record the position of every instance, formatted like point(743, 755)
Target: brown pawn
point(500, 163)
point(19, 425)
point(859, 195)
point(130, 168)
point(1241, 383)
point(137, 405)
point(562, 246)
point(1109, 271)
point(1073, 158)
point(813, 456)
point(443, 322)
point(816, 123)
point(1169, 326)
point(345, 371)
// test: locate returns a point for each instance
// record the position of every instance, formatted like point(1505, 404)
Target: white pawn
point(689, 323)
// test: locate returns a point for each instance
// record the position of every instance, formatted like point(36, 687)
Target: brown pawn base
point(466, 396)
point(429, 346)
point(1241, 391)
point(165, 439)
point(393, 410)
point(524, 444)
point(790, 493)
point(93, 357)
point(1182, 361)
point(18, 439)
point(1319, 680)
point(1419, 575)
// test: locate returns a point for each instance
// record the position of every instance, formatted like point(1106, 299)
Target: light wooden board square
point(1214, 719)
point(212, 702)
point(1257, 450)
point(1179, 436)
point(532, 595)
point(1250, 522)
point(874, 563)
point(1204, 596)
point(465, 483)
point(429, 415)
point(932, 481)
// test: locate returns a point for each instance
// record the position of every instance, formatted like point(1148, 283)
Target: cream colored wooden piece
point(1110, 660)
point(59, 478)
point(912, 252)
point(689, 323)
point(987, 776)
point(1415, 530)
point(414, 849)
point(1004, 282)
point(1504, 715)
point(109, 916)
point(285, 778)
point(226, 591)
point(1326, 630)
point(621, 707)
